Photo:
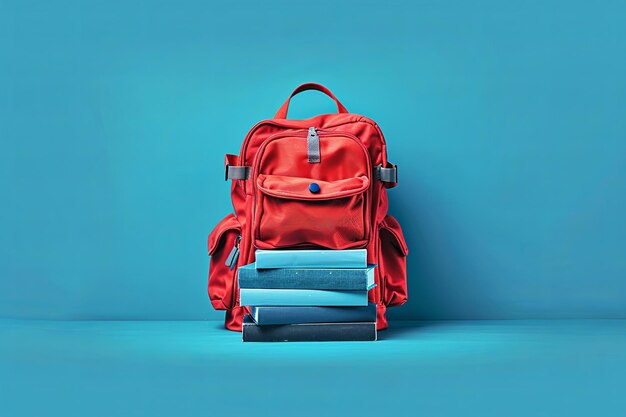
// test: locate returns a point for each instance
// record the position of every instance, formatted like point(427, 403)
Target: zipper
point(313, 146)
point(231, 260)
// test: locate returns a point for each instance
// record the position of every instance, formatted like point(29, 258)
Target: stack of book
point(308, 295)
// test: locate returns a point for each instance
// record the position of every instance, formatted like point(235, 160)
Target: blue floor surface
point(465, 368)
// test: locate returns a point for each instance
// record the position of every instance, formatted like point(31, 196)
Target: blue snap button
point(314, 188)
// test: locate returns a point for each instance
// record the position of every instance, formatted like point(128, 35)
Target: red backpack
point(315, 183)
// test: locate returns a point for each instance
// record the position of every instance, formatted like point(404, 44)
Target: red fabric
point(392, 262)
point(234, 318)
point(274, 208)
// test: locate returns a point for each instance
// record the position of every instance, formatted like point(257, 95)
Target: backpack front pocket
point(311, 190)
point(223, 246)
point(303, 212)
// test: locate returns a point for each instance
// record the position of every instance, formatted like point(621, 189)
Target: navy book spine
point(317, 332)
point(308, 314)
point(321, 279)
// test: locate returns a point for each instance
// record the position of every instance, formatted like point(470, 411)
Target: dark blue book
point(310, 332)
point(293, 315)
point(357, 279)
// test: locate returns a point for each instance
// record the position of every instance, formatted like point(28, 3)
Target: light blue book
point(288, 297)
point(311, 258)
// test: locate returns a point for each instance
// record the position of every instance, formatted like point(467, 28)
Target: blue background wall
point(508, 122)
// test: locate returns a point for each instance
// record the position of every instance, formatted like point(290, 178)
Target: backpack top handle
point(282, 112)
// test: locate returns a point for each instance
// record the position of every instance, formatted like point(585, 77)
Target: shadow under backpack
point(346, 155)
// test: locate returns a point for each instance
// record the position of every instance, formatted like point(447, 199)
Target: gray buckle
point(386, 174)
point(236, 172)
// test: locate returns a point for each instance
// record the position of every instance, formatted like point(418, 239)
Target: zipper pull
point(313, 146)
point(231, 261)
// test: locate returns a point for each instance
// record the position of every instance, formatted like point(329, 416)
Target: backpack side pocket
point(223, 246)
point(392, 262)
